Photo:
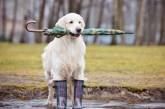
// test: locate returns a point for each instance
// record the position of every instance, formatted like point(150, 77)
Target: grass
point(122, 66)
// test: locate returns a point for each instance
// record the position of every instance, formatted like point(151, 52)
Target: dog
point(63, 58)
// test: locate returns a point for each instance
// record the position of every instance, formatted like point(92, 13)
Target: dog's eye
point(71, 22)
point(79, 22)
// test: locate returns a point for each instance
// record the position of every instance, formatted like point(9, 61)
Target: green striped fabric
point(59, 32)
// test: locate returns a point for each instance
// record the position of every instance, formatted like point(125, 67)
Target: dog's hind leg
point(50, 95)
point(50, 88)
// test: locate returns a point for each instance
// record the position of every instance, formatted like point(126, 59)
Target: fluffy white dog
point(63, 58)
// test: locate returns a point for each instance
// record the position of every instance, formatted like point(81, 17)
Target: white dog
point(63, 58)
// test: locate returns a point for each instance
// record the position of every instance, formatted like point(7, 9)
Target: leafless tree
point(100, 16)
point(54, 15)
point(114, 19)
point(1, 36)
point(3, 19)
point(87, 20)
point(153, 25)
point(13, 21)
point(75, 6)
point(140, 21)
point(41, 19)
point(120, 18)
point(150, 19)
point(162, 24)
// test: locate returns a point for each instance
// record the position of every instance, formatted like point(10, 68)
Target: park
point(122, 70)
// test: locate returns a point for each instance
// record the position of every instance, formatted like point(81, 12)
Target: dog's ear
point(61, 22)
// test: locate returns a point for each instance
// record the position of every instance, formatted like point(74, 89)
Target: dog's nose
point(78, 30)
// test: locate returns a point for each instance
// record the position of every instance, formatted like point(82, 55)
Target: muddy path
point(87, 104)
point(94, 98)
point(97, 93)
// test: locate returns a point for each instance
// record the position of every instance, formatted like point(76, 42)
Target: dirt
point(26, 87)
point(96, 93)
point(125, 94)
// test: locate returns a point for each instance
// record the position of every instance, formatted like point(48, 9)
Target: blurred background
point(145, 18)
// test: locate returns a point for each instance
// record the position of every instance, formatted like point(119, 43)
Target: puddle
point(87, 104)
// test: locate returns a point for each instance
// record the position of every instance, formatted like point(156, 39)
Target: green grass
point(139, 67)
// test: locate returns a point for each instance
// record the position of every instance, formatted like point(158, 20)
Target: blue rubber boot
point(78, 93)
point(61, 94)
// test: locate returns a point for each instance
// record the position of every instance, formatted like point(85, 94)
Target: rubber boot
point(61, 94)
point(78, 93)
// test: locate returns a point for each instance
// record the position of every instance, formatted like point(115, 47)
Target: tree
point(153, 22)
point(3, 19)
point(100, 16)
point(120, 18)
point(150, 19)
point(1, 2)
point(78, 6)
point(13, 21)
point(41, 19)
point(71, 5)
point(54, 15)
point(75, 6)
point(162, 24)
point(87, 20)
point(140, 22)
point(29, 14)
point(64, 11)
point(117, 19)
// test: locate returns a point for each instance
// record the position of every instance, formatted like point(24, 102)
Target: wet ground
point(87, 104)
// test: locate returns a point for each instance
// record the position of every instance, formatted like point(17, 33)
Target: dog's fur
point(63, 58)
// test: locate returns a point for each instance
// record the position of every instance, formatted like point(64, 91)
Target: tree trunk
point(29, 14)
point(13, 21)
point(120, 19)
point(152, 22)
point(3, 19)
point(51, 17)
point(75, 6)
point(145, 27)
point(150, 19)
point(57, 10)
point(78, 6)
point(54, 15)
point(114, 41)
point(140, 22)
point(41, 19)
point(1, 2)
point(87, 21)
point(64, 7)
point(101, 12)
point(114, 20)
point(71, 5)
point(162, 24)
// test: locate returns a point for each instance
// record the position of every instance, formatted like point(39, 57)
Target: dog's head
point(73, 22)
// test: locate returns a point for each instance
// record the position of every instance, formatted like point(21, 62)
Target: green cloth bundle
point(59, 32)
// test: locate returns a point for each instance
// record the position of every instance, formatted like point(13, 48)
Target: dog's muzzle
point(77, 34)
point(74, 35)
